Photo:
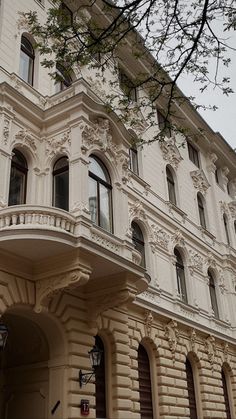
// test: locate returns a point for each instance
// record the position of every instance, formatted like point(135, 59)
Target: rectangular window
point(193, 154)
point(127, 86)
point(133, 160)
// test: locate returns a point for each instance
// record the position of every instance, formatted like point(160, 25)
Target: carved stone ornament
point(25, 138)
point(200, 181)
point(232, 208)
point(159, 238)
point(210, 347)
point(104, 242)
point(212, 157)
point(222, 286)
point(57, 145)
point(135, 120)
point(170, 152)
point(226, 352)
point(97, 304)
point(98, 88)
point(193, 337)
point(210, 260)
point(6, 131)
point(196, 262)
point(148, 322)
point(224, 208)
point(136, 210)
point(98, 134)
point(178, 238)
point(47, 288)
point(172, 335)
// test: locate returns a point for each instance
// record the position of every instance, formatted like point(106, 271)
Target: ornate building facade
point(131, 249)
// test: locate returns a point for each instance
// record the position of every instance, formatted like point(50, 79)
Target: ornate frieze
point(170, 152)
point(61, 145)
point(159, 238)
point(104, 242)
point(98, 134)
point(222, 285)
point(200, 181)
point(47, 288)
point(6, 130)
point(196, 262)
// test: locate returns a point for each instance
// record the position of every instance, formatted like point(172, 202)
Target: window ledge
point(177, 209)
point(204, 232)
point(188, 307)
point(139, 180)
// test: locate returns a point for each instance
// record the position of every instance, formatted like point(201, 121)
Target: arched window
point(226, 228)
point(180, 276)
point(18, 179)
point(226, 395)
point(145, 388)
point(61, 184)
point(138, 241)
point(171, 186)
point(100, 204)
point(191, 390)
point(26, 60)
point(100, 382)
point(201, 210)
point(63, 78)
point(212, 290)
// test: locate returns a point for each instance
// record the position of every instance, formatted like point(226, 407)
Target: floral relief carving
point(6, 130)
point(148, 322)
point(210, 347)
point(170, 152)
point(224, 208)
point(102, 241)
point(196, 262)
point(159, 238)
point(47, 288)
point(99, 134)
point(210, 260)
point(200, 181)
point(57, 145)
point(222, 285)
point(172, 335)
point(25, 138)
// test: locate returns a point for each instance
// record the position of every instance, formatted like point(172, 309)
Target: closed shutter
point(100, 383)
point(145, 390)
point(226, 397)
point(191, 391)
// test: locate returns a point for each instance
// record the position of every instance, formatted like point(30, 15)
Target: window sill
point(207, 233)
point(174, 208)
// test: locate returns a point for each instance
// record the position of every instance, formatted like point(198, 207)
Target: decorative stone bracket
point(200, 181)
point(170, 152)
point(47, 288)
point(99, 300)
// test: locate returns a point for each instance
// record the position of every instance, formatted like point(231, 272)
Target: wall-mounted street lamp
point(3, 335)
point(95, 356)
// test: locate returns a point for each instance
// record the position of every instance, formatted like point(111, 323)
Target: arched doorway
point(30, 376)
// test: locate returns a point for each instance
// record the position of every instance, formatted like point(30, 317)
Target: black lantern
point(3, 335)
point(95, 356)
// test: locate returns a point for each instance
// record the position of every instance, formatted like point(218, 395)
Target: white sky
point(224, 119)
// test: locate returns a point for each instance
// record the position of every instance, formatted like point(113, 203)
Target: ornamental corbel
point(26, 139)
point(97, 135)
point(47, 288)
point(212, 157)
point(200, 181)
point(172, 335)
point(232, 208)
point(136, 210)
point(59, 145)
point(210, 347)
point(178, 239)
point(193, 338)
point(170, 152)
point(148, 322)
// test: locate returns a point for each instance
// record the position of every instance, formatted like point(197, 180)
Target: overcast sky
point(224, 119)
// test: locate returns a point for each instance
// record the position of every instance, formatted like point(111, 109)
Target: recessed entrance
point(24, 377)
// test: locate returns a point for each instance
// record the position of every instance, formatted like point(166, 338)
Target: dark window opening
point(61, 184)
point(213, 297)
point(201, 211)
point(193, 154)
point(127, 86)
point(138, 241)
point(100, 382)
point(191, 391)
point(26, 60)
point(145, 389)
point(180, 274)
point(18, 179)
point(133, 160)
point(171, 186)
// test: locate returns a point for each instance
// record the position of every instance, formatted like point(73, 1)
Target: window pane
point(93, 200)
point(17, 187)
point(105, 216)
point(97, 169)
point(145, 389)
point(191, 391)
point(100, 382)
point(181, 283)
point(61, 190)
point(133, 160)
